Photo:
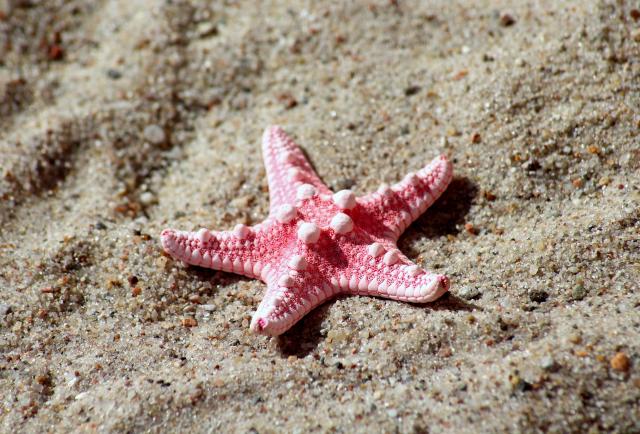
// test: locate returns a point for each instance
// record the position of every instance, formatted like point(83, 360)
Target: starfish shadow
point(305, 336)
point(445, 217)
point(452, 303)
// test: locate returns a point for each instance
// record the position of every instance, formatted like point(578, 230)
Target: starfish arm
point(293, 289)
point(287, 168)
point(386, 272)
point(402, 203)
point(241, 251)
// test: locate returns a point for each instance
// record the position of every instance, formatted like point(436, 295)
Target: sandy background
point(119, 118)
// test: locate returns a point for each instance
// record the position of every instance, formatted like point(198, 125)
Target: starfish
point(315, 244)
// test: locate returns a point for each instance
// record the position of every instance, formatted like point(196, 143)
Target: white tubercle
point(413, 270)
point(241, 231)
point(298, 263)
point(286, 281)
point(385, 190)
point(203, 235)
point(412, 178)
point(294, 174)
point(287, 158)
point(309, 233)
point(345, 199)
point(285, 213)
point(341, 223)
point(390, 258)
point(375, 250)
point(305, 191)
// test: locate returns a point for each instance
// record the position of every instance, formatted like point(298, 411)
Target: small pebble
point(548, 364)
point(189, 322)
point(620, 362)
point(506, 20)
point(578, 292)
point(538, 295)
point(154, 134)
point(147, 198)
point(114, 74)
point(469, 292)
point(411, 90)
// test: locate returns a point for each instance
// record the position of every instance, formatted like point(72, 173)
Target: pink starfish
point(315, 244)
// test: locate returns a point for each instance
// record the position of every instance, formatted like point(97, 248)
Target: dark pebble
point(538, 296)
point(507, 20)
point(132, 280)
point(101, 226)
point(114, 74)
point(411, 90)
point(532, 166)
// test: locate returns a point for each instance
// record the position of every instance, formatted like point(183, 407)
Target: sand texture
point(120, 118)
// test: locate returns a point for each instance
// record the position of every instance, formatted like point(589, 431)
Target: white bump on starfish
point(196, 257)
point(206, 259)
point(286, 281)
point(373, 286)
point(241, 231)
point(411, 178)
point(287, 158)
point(385, 190)
point(375, 249)
point(345, 199)
point(309, 233)
point(203, 235)
point(294, 174)
point(298, 263)
point(305, 191)
point(237, 266)
point(391, 257)
point(216, 262)
point(341, 223)
point(413, 270)
point(285, 213)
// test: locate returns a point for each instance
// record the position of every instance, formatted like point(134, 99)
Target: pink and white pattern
point(315, 244)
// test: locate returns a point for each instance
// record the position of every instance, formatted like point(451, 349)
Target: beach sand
point(120, 118)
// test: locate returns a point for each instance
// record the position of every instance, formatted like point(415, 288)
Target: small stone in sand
point(506, 20)
point(578, 292)
point(154, 134)
point(620, 362)
point(538, 295)
point(469, 292)
point(189, 322)
point(548, 364)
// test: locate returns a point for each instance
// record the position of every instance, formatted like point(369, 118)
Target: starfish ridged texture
point(316, 244)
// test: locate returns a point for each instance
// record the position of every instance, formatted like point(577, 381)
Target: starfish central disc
point(315, 244)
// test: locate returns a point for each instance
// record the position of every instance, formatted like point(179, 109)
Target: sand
point(120, 118)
